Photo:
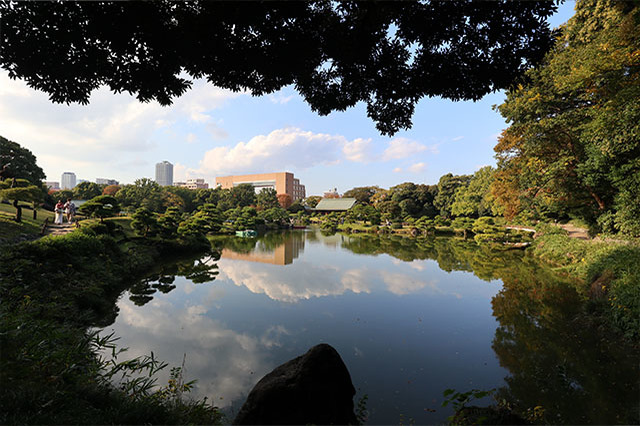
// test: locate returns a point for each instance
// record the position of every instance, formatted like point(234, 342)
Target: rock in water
point(314, 388)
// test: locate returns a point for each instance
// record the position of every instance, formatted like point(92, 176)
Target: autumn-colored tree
point(284, 200)
point(572, 147)
point(111, 190)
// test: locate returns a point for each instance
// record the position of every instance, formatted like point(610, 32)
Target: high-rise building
point(68, 180)
point(164, 173)
point(282, 182)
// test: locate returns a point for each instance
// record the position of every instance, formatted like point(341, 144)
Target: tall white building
point(68, 180)
point(164, 173)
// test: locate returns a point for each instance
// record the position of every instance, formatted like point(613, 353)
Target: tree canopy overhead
point(386, 54)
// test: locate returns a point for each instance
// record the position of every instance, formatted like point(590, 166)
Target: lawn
point(10, 229)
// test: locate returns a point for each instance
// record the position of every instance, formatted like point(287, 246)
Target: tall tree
point(101, 206)
point(18, 162)
point(17, 190)
point(573, 144)
point(267, 198)
point(363, 193)
point(388, 55)
point(143, 193)
point(87, 190)
point(447, 187)
point(476, 198)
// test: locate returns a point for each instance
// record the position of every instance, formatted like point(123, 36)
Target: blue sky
point(212, 132)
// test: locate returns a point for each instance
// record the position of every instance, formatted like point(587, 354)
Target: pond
point(410, 318)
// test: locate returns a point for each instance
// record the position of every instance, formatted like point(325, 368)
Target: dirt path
point(63, 229)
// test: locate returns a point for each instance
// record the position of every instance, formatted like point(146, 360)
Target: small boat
point(299, 227)
point(246, 233)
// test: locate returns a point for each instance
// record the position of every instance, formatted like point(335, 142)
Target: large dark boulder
point(314, 388)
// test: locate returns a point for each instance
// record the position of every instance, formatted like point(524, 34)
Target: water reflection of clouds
point(307, 281)
point(418, 265)
point(171, 330)
point(304, 280)
point(401, 284)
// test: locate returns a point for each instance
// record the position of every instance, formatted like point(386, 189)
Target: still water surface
point(409, 317)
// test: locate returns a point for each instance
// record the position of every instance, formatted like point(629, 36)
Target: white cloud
point(417, 167)
point(279, 150)
point(457, 138)
point(191, 138)
point(358, 150)
point(402, 148)
point(99, 137)
point(397, 170)
point(279, 98)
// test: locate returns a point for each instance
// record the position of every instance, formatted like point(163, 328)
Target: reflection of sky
point(406, 330)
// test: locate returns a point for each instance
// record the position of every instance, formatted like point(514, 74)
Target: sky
point(211, 132)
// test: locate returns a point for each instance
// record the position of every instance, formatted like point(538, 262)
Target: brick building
point(282, 182)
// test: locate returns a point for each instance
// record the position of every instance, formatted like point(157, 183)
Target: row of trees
point(454, 195)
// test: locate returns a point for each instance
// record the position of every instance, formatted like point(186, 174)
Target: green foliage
point(447, 187)
point(362, 414)
point(362, 194)
point(475, 199)
point(267, 198)
point(486, 231)
point(87, 191)
point(273, 218)
point(208, 196)
point(573, 146)
point(311, 201)
point(186, 200)
point(144, 222)
point(463, 224)
point(101, 206)
point(207, 219)
point(143, 193)
point(18, 162)
point(52, 368)
point(615, 268)
point(169, 222)
point(17, 190)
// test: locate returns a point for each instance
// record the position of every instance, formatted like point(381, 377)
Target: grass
point(53, 291)
point(10, 229)
point(609, 271)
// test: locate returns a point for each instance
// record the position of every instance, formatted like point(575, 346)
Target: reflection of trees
point(200, 270)
point(558, 358)
point(452, 254)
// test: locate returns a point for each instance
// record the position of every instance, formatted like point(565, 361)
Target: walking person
point(70, 210)
point(59, 210)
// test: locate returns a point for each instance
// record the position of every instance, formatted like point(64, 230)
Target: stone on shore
point(314, 388)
